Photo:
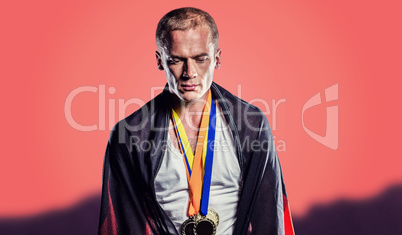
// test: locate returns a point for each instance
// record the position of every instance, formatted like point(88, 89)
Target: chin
point(190, 96)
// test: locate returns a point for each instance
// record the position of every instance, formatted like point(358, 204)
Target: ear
point(158, 60)
point(218, 58)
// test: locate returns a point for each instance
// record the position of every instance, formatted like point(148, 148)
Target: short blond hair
point(184, 19)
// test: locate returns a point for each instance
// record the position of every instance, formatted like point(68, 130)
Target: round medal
point(200, 224)
point(206, 225)
point(187, 228)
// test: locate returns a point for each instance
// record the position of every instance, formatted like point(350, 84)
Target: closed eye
point(174, 61)
point(202, 59)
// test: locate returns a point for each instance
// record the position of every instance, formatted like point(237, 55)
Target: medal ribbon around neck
point(199, 167)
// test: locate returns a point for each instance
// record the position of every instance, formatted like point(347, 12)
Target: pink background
point(273, 50)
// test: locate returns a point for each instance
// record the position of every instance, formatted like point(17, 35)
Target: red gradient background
point(272, 50)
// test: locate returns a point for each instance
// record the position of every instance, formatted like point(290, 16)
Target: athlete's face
point(189, 63)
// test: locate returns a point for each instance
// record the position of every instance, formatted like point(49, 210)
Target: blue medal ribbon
point(209, 160)
point(206, 186)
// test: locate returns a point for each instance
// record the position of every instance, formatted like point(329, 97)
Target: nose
point(189, 70)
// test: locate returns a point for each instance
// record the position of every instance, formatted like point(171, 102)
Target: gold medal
point(187, 228)
point(206, 225)
point(200, 224)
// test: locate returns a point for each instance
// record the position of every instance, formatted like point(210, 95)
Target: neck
point(190, 112)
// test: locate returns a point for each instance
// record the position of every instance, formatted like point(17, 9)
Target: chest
point(192, 135)
point(225, 161)
point(171, 186)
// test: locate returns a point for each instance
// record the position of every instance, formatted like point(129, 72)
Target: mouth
point(191, 87)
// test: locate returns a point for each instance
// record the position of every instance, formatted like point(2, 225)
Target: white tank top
point(171, 185)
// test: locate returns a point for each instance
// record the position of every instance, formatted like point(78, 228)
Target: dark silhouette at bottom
point(81, 219)
point(379, 215)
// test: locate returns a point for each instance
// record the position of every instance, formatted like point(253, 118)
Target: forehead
point(198, 40)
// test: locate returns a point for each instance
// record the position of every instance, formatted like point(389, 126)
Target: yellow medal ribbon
point(194, 164)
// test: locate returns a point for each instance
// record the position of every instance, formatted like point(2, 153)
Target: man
point(195, 159)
